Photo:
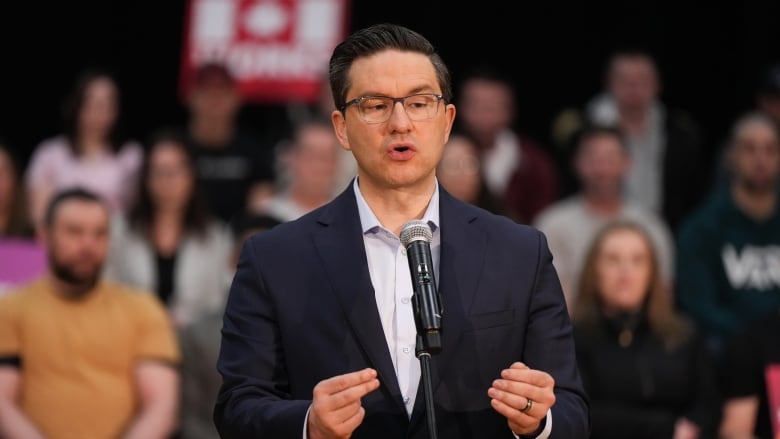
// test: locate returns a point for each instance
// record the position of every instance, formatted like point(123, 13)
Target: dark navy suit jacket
point(301, 309)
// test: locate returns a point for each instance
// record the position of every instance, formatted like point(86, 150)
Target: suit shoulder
point(286, 232)
point(505, 227)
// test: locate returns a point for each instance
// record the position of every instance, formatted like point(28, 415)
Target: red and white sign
point(772, 373)
point(278, 50)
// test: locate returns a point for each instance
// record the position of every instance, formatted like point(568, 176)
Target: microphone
point(416, 236)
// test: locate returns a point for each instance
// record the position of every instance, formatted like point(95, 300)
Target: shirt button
point(406, 400)
point(403, 251)
point(406, 350)
point(404, 300)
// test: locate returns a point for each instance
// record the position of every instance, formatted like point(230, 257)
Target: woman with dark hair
point(14, 222)
point(460, 172)
point(90, 152)
point(168, 242)
point(643, 365)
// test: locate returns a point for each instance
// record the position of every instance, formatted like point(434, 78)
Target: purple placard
point(20, 261)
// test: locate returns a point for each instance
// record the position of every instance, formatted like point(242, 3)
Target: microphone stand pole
point(424, 355)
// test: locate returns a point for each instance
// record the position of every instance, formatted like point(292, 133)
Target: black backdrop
point(709, 55)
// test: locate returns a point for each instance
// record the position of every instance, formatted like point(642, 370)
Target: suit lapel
point(463, 247)
point(343, 253)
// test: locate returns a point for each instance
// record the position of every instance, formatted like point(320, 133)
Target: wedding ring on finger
point(528, 406)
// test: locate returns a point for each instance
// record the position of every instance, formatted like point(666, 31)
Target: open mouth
point(402, 152)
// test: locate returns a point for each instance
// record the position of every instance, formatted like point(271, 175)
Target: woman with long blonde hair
point(643, 364)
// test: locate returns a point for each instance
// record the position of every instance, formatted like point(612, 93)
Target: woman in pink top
point(89, 152)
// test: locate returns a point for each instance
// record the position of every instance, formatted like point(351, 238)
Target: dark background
point(709, 55)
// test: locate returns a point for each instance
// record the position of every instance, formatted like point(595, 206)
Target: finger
point(348, 425)
point(544, 396)
point(340, 415)
point(340, 410)
point(346, 397)
point(519, 365)
point(341, 382)
point(339, 423)
point(512, 400)
point(520, 422)
point(535, 377)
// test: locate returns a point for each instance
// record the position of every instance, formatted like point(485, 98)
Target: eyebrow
point(417, 90)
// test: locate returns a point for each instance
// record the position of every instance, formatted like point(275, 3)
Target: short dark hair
point(374, 39)
point(590, 130)
point(65, 195)
point(487, 72)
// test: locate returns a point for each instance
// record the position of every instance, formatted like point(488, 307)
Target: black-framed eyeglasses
point(377, 109)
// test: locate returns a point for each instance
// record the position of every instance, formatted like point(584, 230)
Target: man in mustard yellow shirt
point(81, 357)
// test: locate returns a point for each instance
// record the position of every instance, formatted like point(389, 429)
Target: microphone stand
point(416, 236)
point(424, 355)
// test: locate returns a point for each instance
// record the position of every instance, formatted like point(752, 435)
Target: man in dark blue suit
point(318, 337)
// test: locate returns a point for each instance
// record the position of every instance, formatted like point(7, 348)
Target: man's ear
point(340, 128)
point(450, 114)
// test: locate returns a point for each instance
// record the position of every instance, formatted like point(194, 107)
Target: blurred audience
point(14, 221)
point(80, 356)
point(635, 220)
point(767, 97)
point(601, 162)
point(200, 343)
point(300, 113)
point(750, 368)
point(518, 170)
point(169, 243)
point(91, 151)
point(460, 173)
point(22, 257)
point(643, 365)
point(728, 271)
point(670, 175)
point(766, 100)
point(235, 169)
point(310, 174)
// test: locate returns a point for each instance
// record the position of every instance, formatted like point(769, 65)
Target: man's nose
point(398, 117)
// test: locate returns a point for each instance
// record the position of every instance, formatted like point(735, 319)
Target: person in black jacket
point(643, 365)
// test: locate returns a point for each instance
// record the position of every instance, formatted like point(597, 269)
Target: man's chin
point(761, 187)
point(85, 282)
point(85, 279)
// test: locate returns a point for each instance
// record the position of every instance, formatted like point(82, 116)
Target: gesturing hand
point(335, 409)
point(523, 396)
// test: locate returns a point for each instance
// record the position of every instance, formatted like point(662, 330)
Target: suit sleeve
point(550, 347)
point(254, 400)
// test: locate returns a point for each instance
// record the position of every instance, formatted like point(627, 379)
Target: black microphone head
point(416, 230)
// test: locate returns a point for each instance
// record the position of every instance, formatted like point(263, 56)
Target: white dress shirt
point(390, 276)
point(392, 281)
